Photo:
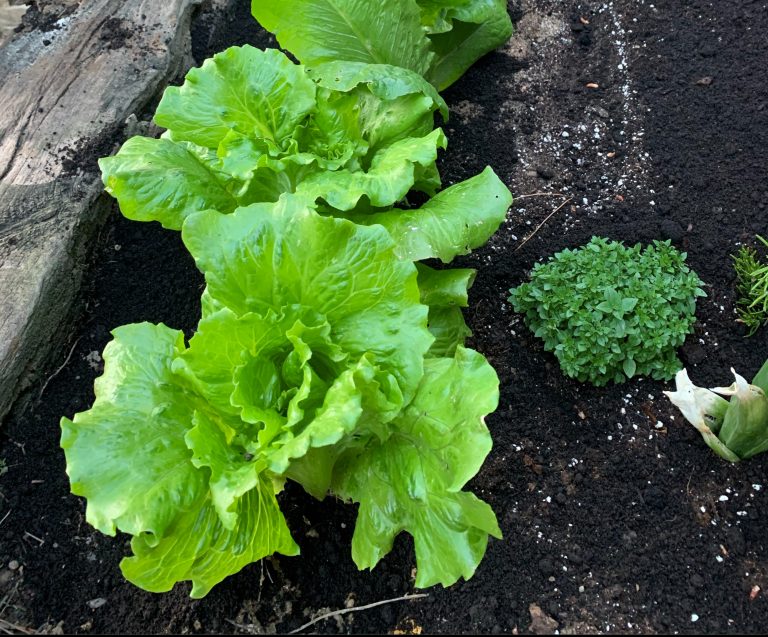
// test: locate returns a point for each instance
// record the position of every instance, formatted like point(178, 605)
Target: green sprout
point(735, 429)
point(751, 287)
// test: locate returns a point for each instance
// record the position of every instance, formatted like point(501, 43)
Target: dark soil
point(616, 516)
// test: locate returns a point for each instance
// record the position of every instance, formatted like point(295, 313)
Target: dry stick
point(8, 628)
point(5, 517)
point(64, 364)
point(541, 194)
point(34, 537)
point(344, 611)
point(530, 236)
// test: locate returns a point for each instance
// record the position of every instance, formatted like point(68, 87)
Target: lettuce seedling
point(310, 363)
point(609, 312)
point(734, 429)
point(438, 39)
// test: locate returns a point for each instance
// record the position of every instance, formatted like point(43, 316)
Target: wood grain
point(66, 90)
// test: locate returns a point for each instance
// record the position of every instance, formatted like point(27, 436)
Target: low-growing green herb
point(734, 429)
point(609, 312)
point(751, 287)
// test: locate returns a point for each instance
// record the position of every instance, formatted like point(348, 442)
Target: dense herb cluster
point(751, 287)
point(610, 312)
point(325, 354)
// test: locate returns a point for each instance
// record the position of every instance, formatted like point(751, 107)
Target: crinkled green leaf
point(318, 31)
point(159, 180)
point(455, 221)
point(444, 288)
point(334, 133)
point(278, 372)
point(221, 345)
point(393, 103)
point(255, 93)
point(413, 481)
point(198, 547)
point(461, 32)
point(155, 459)
point(449, 328)
point(233, 471)
point(268, 256)
point(391, 175)
point(268, 369)
point(127, 454)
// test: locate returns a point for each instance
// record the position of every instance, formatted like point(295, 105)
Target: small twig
point(541, 194)
point(9, 628)
point(5, 517)
point(344, 611)
point(56, 373)
point(34, 537)
point(549, 216)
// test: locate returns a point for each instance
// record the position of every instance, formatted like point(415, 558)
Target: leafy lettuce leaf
point(438, 39)
point(159, 180)
point(139, 457)
point(318, 31)
point(250, 125)
point(199, 548)
point(259, 94)
point(392, 174)
point(460, 33)
point(455, 221)
point(413, 481)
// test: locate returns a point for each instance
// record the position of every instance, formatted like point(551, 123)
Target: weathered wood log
point(66, 90)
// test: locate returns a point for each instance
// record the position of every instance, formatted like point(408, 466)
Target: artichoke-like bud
point(735, 429)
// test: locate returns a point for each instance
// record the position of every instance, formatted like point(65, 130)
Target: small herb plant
point(734, 429)
point(751, 287)
point(610, 312)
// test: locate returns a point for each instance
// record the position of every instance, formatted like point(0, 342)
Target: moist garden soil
point(616, 516)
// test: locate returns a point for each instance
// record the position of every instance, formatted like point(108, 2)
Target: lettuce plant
point(438, 39)
point(352, 138)
point(250, 125)
point(311, 364)
point(734, 429)
point(325, 353)
point(610, 312)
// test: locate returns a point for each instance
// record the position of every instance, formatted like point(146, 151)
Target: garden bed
point(616, 516)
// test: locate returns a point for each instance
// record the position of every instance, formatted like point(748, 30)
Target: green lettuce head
point(313, 339)
point(250, 125)
point(312, 362)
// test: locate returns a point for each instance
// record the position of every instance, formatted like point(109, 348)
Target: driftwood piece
point(66, 90)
